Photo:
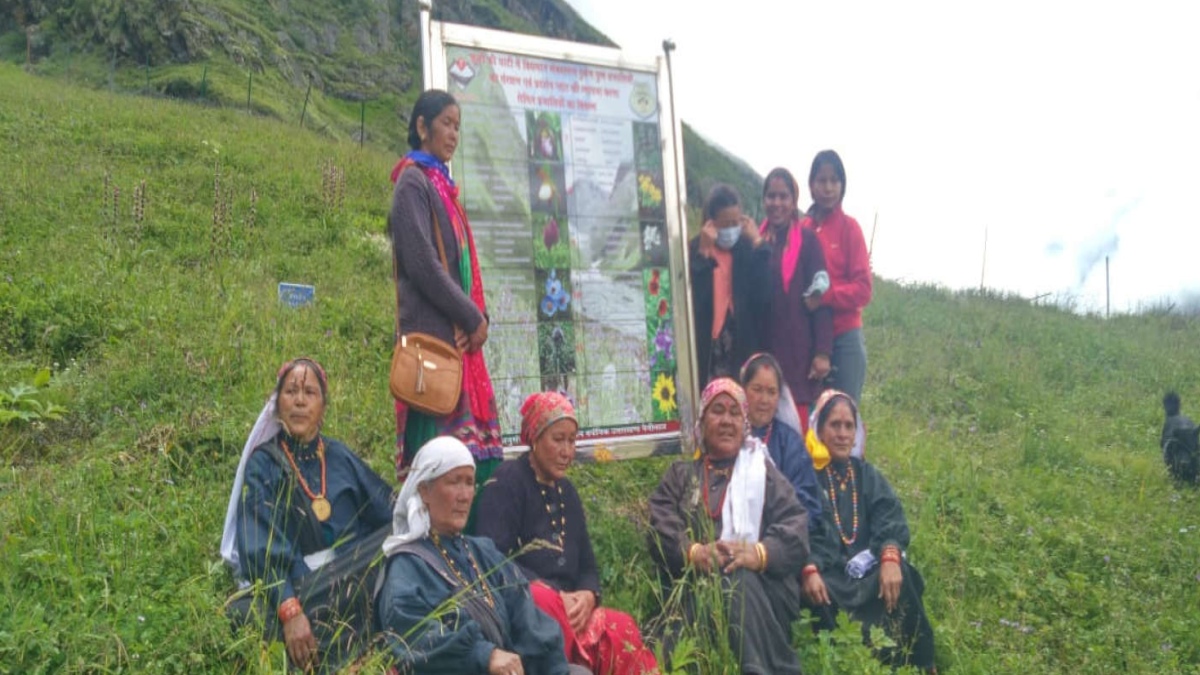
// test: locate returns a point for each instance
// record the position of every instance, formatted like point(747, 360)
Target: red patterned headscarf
point(541, 410)
point(721, 385)
point(724, 385)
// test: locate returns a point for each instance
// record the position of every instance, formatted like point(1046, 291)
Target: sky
point(1061, 132)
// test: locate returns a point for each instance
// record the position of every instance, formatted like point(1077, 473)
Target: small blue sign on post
point(296, 295)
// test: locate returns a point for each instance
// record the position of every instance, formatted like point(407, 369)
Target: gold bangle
point(762, 556)
point(691, 554)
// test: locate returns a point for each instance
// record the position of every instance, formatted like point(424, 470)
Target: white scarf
point(410, 518)
point(745, 496)
point(265, 428)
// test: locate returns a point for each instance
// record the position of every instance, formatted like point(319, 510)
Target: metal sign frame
point(437, 37)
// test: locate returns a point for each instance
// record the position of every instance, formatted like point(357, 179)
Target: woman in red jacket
point(849, 267)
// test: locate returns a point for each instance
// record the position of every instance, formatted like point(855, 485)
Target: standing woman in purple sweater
point(446, 302)
point(800, 331)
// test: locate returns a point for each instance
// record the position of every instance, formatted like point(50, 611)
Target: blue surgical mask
point(728, 236)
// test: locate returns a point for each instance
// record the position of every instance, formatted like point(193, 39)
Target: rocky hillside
point(224, 52)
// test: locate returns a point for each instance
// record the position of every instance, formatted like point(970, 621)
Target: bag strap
point(441, 247)
point(483, 614)
point(310, 535)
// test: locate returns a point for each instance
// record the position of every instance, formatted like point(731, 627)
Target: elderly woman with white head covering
point(731, 512)
point(451, 603)
point(302, 509)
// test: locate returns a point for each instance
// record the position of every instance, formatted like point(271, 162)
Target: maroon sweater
point(793, 333)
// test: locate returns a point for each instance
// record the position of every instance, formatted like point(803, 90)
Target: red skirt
point(610, 645)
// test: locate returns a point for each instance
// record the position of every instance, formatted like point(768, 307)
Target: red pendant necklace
point(715, 515)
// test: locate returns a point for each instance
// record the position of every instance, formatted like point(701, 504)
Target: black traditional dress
point(446, 604)
point(516, 510)
point(276, 527)
point(862, 512)
point(760, 606)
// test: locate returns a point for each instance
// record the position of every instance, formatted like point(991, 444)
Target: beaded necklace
point(487, 590)
point(837, 518)
point(707, 488)
point(559, 523)
point(320, 505)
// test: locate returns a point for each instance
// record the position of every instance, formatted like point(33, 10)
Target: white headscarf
point(265, 428)
point(410, 519)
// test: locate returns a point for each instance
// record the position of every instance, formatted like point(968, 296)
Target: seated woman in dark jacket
point(732, 515)
point(451, 603)
point(531, 500)
point(301, 500)
point(858, 562)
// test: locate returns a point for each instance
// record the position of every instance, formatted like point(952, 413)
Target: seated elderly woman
point(451, 603)
point(731, 512)
point(531, 500)
point(858, 562)
point(775, 422)
point(305, 518)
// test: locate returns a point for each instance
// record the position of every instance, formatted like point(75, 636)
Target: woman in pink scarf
point(444, 301)
point(797, 335)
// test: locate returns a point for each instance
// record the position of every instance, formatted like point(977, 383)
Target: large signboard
point(567, 173)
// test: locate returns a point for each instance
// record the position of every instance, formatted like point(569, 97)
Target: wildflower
point(651, 238)
point(663, 341)
point(664, 393)
point(653, 286)
point(553, 285)
point(662, 308)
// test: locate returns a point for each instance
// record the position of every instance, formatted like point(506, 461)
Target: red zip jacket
point(849, 268)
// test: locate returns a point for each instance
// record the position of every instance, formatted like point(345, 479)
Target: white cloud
point(1040, 121)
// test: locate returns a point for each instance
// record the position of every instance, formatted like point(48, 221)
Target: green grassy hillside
point(1021, 439)
point(347, 69)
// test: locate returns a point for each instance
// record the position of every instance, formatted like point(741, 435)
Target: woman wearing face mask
point(729, 266)
point(799, 331)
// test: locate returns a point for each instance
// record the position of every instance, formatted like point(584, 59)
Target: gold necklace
point(320, 505)
point(487, 590)
point(562, 513)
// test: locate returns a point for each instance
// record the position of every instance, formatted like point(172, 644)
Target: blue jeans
point(850, 363)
